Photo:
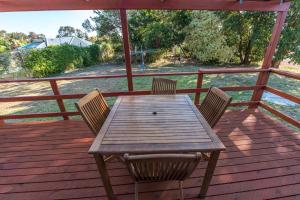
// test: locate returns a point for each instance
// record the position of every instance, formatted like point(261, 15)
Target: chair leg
point(136, 191)
point(181, 190)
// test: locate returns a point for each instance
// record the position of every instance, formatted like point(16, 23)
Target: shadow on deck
point(49, 160)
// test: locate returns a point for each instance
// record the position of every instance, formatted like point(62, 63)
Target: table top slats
point(155, 124)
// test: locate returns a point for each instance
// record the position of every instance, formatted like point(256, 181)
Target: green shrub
point(107, 51)
point(205, 41)
point(56, 59)
point(5, 60)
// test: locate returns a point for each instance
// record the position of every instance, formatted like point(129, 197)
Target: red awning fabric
point(36, 5)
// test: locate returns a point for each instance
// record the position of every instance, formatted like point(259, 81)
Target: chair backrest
point(162, 86)
point(161, 167)
point(214, 105)
point(94, 110)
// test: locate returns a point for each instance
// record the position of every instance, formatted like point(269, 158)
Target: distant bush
point(205, 41)
point(5, 60)
point(107, 52)
point(56, 59)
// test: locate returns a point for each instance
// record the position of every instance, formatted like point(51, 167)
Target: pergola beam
point(126, 45)
point(264, 76)
point(38, 5)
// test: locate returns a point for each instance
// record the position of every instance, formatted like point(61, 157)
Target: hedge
point(56, 59)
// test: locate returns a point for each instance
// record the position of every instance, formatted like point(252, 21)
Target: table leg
point(104, 175)
point(209, 172)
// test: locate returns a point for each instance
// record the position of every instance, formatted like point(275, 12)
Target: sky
point(46, 22)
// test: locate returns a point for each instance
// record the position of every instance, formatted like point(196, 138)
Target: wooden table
point(155, 124)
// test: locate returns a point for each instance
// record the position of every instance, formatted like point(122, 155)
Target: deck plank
point(49, 160)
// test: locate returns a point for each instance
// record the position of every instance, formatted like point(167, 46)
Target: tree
point(80, 34)
point(205, 40)
point(107, 24)
point(248, 33)
point(289, 44)
point(149, 28)
point(88, 26)
point(69, 31)
point(157, 29)
point(65, 31)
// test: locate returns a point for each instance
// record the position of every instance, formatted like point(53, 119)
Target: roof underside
point(247, 5)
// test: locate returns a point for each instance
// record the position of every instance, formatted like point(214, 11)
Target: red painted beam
point(60, 102)
point(263, 77)
point(38, 115)
point(114, 94)
point(66, 114)
point(198, 86)
point(166, 74)
point(62, 78)
point(34, 5)
point(283, 94)
point(280, 115)
point(231, 71)
point(126, 46)
point(286, 73)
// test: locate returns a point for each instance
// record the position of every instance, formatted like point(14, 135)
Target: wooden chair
point(214, 105)
point(161, 167)
point(162, 86)
point(94, 110)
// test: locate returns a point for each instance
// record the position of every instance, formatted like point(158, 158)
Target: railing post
point(263, 77)
point(59, 101)
point(199, 86)
point(126, 46)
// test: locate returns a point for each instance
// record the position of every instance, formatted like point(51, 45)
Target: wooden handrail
point(231, 71)
point(38, 115)
point(283, 94)
point(113, 94)
point(67, 114)
point(204, 71)
point(62, 78)
point(60, 97)
point(166, 74)
point(280, 114)
point(286, 73)
point(223, 71)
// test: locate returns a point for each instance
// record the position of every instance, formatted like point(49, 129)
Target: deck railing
point(284, 95)
point(197, 91)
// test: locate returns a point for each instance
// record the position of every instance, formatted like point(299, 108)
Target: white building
point(39, 44)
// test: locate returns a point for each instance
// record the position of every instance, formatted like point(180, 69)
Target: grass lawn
point(140, 83)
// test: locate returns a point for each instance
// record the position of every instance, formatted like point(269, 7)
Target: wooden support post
point(104, 176)
point(264, 76)
point(60, 102)
point(199, 86)
point(212, 163)
point(126, 46)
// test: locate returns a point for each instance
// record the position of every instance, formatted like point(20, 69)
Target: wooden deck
point(49, 160)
